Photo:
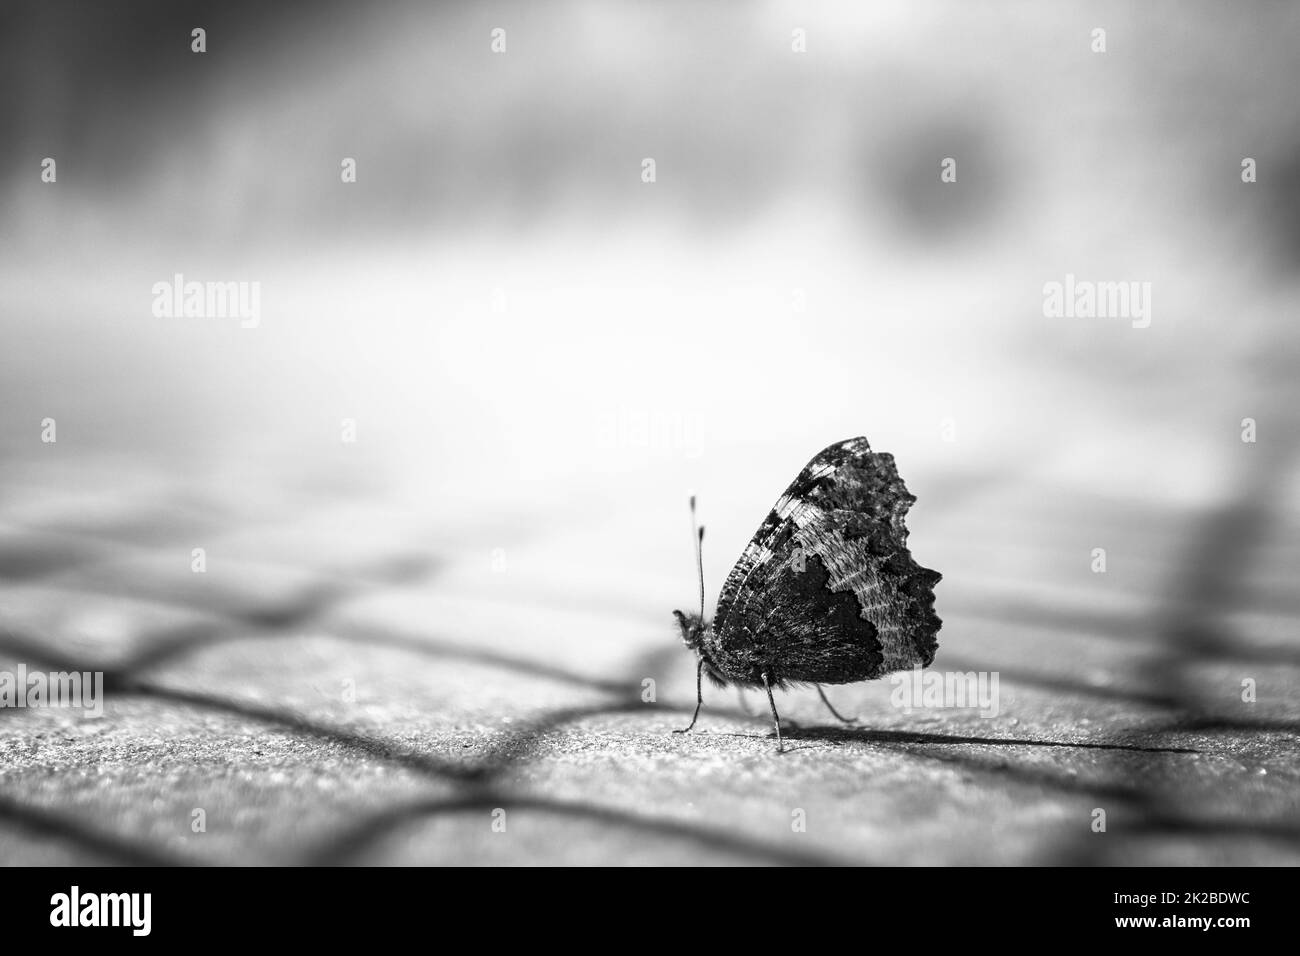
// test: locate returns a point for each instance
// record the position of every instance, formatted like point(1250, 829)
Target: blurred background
point(541, 352)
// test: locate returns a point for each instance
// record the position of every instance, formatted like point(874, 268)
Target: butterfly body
point(827, 591)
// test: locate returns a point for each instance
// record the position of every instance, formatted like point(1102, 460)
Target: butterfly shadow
point(835, 734)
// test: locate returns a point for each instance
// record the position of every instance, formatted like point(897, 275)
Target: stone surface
point(346, 687)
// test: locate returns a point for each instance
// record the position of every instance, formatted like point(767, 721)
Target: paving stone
point(360, 683)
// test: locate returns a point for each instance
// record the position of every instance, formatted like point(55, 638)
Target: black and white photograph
point(600, 433)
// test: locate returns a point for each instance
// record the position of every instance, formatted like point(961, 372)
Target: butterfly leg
point(776, 718)
point(699, 697)
point(838, 715)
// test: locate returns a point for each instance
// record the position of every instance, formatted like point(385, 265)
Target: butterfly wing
point(827, 591)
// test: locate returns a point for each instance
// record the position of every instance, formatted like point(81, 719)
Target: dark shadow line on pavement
point(867, 735)
point(1211, 724)
point(1067, 686)
point(49, 825)
point(1265, 829)
point(1088, 850)
point(1031, 776)
point(1139, 632)
point(411, 759)
point(347, 846)
point(180, 642)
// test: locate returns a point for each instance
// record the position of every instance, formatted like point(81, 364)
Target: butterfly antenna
point(699, 554)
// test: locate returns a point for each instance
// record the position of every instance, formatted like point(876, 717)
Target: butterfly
point(826, 592)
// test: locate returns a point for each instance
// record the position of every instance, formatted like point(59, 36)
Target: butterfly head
point(693, 628)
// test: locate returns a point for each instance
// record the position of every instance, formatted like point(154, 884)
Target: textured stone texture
point(514, 683)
